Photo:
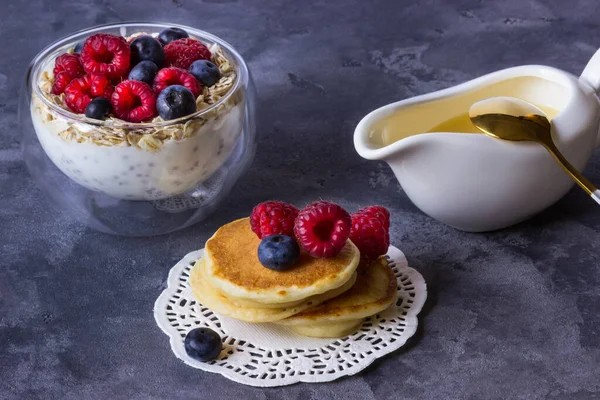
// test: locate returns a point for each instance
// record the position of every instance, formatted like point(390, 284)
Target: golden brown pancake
point(217, 301)
point(374, 291)
point(232, 266)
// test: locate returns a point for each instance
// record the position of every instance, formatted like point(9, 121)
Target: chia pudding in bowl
point(140, 113)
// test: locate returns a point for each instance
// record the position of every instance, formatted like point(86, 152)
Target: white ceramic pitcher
point(474, 182)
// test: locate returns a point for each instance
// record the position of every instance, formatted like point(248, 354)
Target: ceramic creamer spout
point(362, 136)
point(370, 136)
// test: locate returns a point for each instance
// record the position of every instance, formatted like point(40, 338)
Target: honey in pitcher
point(461, 123)
point(398, 126)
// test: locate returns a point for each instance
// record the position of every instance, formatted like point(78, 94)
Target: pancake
point(217, 301)
point(232, 266)
point(374, 291)
point(257, 304)
point(328, 330)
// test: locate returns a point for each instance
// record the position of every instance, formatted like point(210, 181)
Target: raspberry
point(378, 211)
point(105, 54)
point(79, 92)
point(175, 76)
point(273, 217)
point(134, 101)
point(322, 229)
point(61, 80)
point(370, 231)
point(183, 52)
point(68, 63)
point(101, 86)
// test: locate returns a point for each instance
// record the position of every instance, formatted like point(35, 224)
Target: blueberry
point(203, 344)
point(205, 72)
point(98, 108)
point(170, 34)
point(278, 252)
point(144, 71)
point(175, 101)
point(78, 47)
point(146, 48)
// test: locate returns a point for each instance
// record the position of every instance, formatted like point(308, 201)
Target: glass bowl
point(139, 179)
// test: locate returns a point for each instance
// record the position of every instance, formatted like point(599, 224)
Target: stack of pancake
point(319, 297)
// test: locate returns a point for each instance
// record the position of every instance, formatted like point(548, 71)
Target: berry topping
point(101, 86)
point(146, 48)
point(183, 52)
point(170, 34)
point(273, 217)
point(61, 80)
point(278, 252)
point(133, 101)
point(68, 63)
point(98, 108)
point(80, 92)
point(175, 101)
point(205, 72)
point(144, 71)
point(176, 76)
point(322, 229)
point(202, 344)
point(377, 211)
point(78, 47)
point(370, 231)
point(105, 54)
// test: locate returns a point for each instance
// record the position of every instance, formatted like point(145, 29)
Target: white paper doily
point(272, 355)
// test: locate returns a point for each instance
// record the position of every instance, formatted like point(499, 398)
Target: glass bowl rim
point(37, 62)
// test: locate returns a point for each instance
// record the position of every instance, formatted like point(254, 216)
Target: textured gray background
point(513, 314)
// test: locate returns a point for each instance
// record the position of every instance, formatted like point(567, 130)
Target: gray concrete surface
point(511, 315)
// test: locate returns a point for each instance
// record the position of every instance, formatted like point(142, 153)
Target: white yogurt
point(131, 173)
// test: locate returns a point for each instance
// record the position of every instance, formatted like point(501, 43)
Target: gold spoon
point(513, 119)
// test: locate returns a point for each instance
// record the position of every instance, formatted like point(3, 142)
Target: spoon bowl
point(510, 118)
point(513, 119)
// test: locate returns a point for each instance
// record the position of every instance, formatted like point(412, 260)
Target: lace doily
point(272, 355)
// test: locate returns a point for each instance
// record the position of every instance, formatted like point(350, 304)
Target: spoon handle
point(581, 180)
point(596, 196)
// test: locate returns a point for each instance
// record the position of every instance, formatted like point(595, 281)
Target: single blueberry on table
point(174, 102)
point(98, 108)
point(170, 34)
point(144, 71)
point(146, 48)
point(203, 344)
point(278, 252)
point(205, 72)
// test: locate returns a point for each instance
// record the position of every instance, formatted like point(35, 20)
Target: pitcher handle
point(591, 72)
point(591, 77)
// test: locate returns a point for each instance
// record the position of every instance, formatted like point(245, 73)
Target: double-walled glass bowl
point(138, 179)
